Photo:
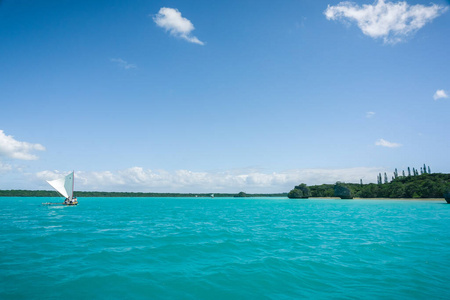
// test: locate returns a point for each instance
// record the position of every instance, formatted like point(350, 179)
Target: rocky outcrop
point(447, 197)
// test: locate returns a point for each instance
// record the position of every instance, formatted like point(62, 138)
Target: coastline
point(259, 196)
point(400, 199)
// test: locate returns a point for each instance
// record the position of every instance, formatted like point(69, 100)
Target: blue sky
point(221, 96)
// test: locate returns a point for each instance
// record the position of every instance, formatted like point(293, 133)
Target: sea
point(224, 248)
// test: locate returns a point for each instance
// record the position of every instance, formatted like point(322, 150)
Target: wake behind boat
point(64, 186)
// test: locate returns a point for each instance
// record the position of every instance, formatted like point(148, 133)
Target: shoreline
point(268, 197)
point(399, 199)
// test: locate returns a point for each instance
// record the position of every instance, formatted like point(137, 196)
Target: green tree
point(295, 193)
point(446, 192)
point(241, 194)
point(396, 190)
point(342, 191)
point(305, 190)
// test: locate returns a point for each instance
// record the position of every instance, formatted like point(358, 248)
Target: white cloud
point(171, 20)
point(388, 20)
point(123, 64)
point(370, 114)
point(384, 143)
point(9, 147)
point(137, 179)
point(5, 167)
point(440, 94)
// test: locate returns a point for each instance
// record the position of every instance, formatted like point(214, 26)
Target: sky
point(221, 96)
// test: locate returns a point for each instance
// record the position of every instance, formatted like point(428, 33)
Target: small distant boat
point(212, 195)
point(64, 186)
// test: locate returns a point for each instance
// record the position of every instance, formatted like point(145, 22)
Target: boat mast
point(73, 179)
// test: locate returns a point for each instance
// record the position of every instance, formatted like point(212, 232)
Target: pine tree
point(421, 171)
point(395, 173)
point(403, 172)
point(385, 178)
point(414, 172)
point(409, 171)
point(429, 171)
point(360, 181)
point(424, 169)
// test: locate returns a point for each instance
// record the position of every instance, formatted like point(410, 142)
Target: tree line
point(28, 193)
point(423, 185)
point(415, 172)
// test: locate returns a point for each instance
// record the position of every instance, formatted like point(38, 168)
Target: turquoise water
point(198, 248)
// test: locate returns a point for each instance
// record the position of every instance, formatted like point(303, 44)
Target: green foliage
point(25, 193)
point(295, 193)
point(324, 190)
point(241, 194)
point(304, 188)
point(300, 191)
point(340, 190)
point(422, 186)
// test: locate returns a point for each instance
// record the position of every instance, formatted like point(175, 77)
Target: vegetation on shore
point(415, 186)
point(26, 193)
point(406, 185)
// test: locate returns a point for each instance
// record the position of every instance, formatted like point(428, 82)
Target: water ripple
point(185, 248)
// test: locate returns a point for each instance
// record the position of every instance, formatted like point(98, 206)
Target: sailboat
point(64, 186)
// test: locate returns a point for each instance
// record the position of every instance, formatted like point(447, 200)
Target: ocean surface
point(224, 248)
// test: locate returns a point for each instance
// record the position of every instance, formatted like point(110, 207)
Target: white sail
point(64, 185)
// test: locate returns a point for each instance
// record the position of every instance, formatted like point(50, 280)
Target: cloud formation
point(384, 143)
point(12, 148)
point(5, 167)
point(440, 94)
point(123, 64)
point(171, 20)
point(370, 114)
point(387, 20)
point(138, 179)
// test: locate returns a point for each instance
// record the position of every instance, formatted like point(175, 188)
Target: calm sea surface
point(224, 248)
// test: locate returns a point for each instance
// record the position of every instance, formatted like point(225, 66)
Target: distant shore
point(30, 193)
point(402, 199)
point(52, 194)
